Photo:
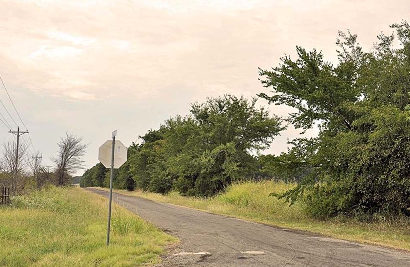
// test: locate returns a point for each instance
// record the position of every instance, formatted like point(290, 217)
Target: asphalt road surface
point(217, 240)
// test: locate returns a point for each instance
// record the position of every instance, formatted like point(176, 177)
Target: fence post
point(5, 195)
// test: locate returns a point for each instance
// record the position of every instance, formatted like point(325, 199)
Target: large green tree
point(204, 152)
point(359, 162)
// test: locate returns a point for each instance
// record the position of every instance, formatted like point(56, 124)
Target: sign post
point(111, 175)
point(112, 154)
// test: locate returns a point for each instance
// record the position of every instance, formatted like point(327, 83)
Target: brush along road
point(216, 240)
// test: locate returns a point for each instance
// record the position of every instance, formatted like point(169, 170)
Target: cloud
point(150, 59)
point(65, 37)
point(140, 46)
point(80, 95)
point(55, 53)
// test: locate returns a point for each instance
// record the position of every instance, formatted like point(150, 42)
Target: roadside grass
point(251, 201)
point(67, 227)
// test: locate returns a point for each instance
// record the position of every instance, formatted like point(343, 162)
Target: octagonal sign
point(120, 154)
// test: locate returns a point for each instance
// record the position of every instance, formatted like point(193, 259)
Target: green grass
point(67, 227)
point(251, 201)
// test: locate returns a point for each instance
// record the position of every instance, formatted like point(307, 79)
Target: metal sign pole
point(112, 174)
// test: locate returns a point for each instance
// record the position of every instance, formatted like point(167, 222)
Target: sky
point(89, 67)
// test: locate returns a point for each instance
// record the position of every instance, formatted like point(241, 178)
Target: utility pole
point(37, 159)
point(17, 133)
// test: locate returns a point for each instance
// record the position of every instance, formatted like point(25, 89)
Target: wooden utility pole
point(36, 166)
point(17, 133)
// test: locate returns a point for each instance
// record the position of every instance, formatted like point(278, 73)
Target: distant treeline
point(358, 164)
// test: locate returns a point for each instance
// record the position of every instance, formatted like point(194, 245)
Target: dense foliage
point(204, 152)
point(94, 176)
point(199, 154)
point(359, 163)
point(98, 175)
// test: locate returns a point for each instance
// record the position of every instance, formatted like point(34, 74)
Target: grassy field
point(251, 201)
point(67, 227)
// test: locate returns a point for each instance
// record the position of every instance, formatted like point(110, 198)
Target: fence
point(5, 195)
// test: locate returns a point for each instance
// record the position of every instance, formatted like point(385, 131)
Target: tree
point(202, 153)
point(69, 157)
point(199, 154)
point(44, 176)
point(13, 164)
point(36, 168)
point(359, 161)
point(98, 175)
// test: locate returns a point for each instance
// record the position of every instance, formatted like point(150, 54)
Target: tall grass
point(251, 201)
point(67, 227)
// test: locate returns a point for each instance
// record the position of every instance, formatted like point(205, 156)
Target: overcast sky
point(90, 67)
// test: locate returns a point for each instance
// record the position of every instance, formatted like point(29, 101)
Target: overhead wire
point(32, 148)
point(18, 114)
point(12, 103)
point(5, 122)
point(8, 112)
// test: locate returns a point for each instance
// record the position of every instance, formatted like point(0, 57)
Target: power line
point(18, 114)
point(5, 122)
point(31, 142)
point(30, 145)
point(8, 112)
point(14, 106)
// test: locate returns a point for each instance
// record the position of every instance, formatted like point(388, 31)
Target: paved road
point(215, 240)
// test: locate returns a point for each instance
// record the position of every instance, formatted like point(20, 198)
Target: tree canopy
point(359, 162)
point(202, 153)
point(69, 158)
